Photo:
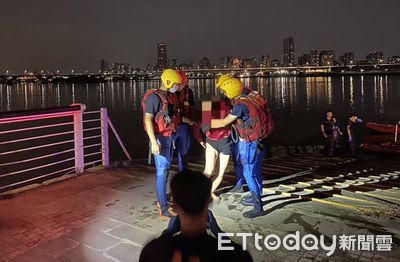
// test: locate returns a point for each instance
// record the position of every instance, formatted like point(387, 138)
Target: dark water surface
point(298, 104)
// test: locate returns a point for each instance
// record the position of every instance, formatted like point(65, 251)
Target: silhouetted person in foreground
point(191, 192)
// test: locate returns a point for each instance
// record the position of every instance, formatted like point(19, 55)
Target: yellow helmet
point(170, 77)
point(221, 79)
point(232, 86)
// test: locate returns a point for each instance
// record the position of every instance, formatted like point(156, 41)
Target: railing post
point(104, 137)
point(78, 139)
point(119, 140)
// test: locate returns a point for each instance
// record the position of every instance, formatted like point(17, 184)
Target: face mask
point(173, 89)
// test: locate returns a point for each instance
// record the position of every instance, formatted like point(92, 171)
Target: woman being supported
point(218, 145)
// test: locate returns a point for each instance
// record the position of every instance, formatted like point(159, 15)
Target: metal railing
point(38, 145)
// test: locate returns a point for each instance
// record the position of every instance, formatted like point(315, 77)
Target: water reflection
point(362, 91)
point(58, 95)
point(295, 102)
point(289, 94)
point(26, 97)
point(329, 89)
point(343, 92)
point(352, 102)
point(9, 98)
point(319, 92)
point(381, 96)
point(73, 93)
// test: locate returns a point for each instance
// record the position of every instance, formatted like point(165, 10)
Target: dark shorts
point(223, 146)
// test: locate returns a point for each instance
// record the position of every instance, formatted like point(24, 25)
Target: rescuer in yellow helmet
point(254, 123)
point(231, 86)
point(160, 122)
point(221, 79)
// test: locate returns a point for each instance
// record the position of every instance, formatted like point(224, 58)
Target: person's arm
point(218, 123)
point(148, 121)
point(196, 131)
point(323, 131)
point(349, 132)
point(188, 121)
point(340, 131)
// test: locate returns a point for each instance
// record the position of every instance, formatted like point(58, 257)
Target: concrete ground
point(108, 215)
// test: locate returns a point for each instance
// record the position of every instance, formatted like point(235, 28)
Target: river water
point(298, 104)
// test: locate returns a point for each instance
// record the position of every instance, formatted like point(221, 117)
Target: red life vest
point(260, 123)
point(173, 98)
point(220, 133)
point(162, 122)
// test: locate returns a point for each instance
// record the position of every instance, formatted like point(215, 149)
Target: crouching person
point(191, 192)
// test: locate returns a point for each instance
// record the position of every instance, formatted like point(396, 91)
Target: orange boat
point(378, 138)
point(383, 148)
point(382, 128)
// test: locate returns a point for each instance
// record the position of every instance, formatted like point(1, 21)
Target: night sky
point(76, 34)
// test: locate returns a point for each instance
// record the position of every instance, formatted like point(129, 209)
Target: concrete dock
point(109, 214)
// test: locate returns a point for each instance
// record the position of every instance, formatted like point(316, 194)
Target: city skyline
point(40, 37)
point(316, 57)
point(289, 59)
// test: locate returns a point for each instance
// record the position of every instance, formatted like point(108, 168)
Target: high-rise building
point(162, 58)
point(235, 62)
point(304, 60)
point(224, 61)
point(314, 58)
point(394, 59)
point(120, 68)
point(205, 63)
point(265, 61)
point(375, 58)
point(249, 62)
point(311, 59)
point(347, 59)
point(288, 52)
point(186, 66)
point(103, 66)
point(275, 63)
point(174, 62)
point(149, 67)
point(327, 58)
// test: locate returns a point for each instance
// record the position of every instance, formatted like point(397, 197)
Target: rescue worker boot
point(236, 189)
point(257, 210)
point(165, 213)
point(170, 209)
point(248, 200)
